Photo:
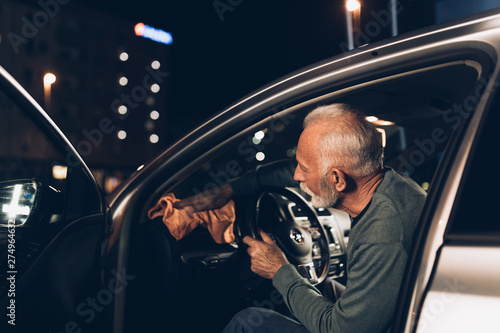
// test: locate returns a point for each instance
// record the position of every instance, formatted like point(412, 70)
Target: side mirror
point(25, 202)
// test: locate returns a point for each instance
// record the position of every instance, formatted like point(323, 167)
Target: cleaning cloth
point(181, 221)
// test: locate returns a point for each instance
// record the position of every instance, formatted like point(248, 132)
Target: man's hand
point(266, 257)
point(212, 199)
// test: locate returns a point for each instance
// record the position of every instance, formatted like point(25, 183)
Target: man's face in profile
point(317, 185)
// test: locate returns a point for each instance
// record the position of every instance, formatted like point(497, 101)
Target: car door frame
point(437, 217)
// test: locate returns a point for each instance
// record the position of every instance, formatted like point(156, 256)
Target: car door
point(456, 286)
point(51, 218)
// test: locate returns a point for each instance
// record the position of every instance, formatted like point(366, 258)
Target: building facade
point(110, 95)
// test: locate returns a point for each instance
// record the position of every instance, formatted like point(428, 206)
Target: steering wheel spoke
point(308, 271)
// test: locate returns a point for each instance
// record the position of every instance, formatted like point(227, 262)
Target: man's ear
point(338, 179)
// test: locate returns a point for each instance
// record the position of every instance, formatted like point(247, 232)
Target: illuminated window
point(124, 56)
point(121, 134)
point(155, 88)
point(155, 64)
point(154, 115)
point(154, 138)
point(260, 156)
point(150, 101)
point(259, 135)
point(122, 109)
point(123, 81)
point(59, 171)
point(149, 125)
point(256, 141)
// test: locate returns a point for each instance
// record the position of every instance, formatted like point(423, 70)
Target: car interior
point(416, 113)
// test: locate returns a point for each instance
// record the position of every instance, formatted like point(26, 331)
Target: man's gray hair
point(350, 141)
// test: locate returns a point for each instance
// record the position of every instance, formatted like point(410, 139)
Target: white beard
point(327, 198)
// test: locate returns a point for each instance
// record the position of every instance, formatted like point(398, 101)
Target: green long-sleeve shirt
point(379, 243)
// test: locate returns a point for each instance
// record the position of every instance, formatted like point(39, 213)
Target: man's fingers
point(249, 240)
point(266, 238)
point(246, 239)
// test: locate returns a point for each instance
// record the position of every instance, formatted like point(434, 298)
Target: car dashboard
point(337, 226)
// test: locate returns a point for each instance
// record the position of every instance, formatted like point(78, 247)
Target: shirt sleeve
point(366, 305)
point(278, 174)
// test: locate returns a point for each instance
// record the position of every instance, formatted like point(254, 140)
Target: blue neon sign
point(157, 35)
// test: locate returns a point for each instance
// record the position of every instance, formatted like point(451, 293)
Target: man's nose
point(298, 175)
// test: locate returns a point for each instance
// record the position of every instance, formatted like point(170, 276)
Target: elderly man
point(340, 164)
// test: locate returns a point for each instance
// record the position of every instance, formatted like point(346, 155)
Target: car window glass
point(275, 141)
point(24, 150)
point(476, 210)
point(416, 115)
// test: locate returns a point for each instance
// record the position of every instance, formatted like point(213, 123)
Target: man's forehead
point(307, 148)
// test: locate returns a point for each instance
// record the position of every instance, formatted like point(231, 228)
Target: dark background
point(222, 51)
point(214, 62)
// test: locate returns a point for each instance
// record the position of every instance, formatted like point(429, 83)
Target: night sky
point(221, 54)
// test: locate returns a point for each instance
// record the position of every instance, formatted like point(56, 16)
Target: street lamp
point(353, 14)
point(352, 5)
point(48, 80)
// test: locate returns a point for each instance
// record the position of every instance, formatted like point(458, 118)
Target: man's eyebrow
point(303, 167)
point(300, 165)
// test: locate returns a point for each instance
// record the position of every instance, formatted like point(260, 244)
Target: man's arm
point(211, 199)
point(279, 174)
point(366, 305)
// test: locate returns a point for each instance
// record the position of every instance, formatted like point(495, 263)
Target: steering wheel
point(283, 214)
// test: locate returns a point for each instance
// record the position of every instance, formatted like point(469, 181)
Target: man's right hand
point(211, 199)
point(266, 258)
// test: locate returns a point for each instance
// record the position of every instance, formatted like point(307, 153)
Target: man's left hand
point(266, 256)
